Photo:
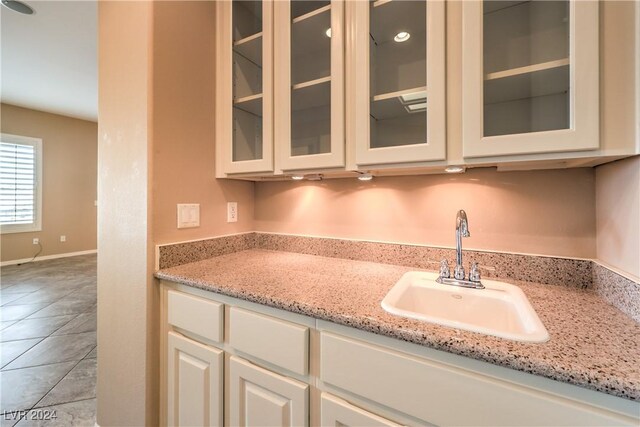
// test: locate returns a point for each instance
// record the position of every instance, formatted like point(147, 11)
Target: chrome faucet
point(462, 230)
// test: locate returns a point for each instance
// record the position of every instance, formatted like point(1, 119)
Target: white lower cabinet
point(284, 369)
point(194, 383)
point(336, 412)
point(259, 397)
point(442, 394)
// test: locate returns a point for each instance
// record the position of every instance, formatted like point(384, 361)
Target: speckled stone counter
point(593, 344)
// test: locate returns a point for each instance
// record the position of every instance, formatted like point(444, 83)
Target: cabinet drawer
point(443, 394)
point(336, 412)
point(200, 316)
point(275, 341)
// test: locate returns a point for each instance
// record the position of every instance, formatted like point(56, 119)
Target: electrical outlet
point(36, 241)
point(232, 212)
point(63, 238)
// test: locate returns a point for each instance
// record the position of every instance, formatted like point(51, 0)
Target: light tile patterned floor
point(48, 343)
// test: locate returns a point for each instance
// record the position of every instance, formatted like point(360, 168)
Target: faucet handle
point(444, 269)
point(474, 274)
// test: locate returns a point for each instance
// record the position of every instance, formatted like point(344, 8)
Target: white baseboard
point(46, 257)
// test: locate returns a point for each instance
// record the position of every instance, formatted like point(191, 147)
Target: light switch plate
point(232, 212)
point(188, 215)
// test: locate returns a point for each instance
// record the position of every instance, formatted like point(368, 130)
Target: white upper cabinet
point(396, 81)
point(309, 84)
point(338, 87)
point(244, 87)
point(530, 77)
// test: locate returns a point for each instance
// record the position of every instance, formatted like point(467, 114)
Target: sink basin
point(500, 309)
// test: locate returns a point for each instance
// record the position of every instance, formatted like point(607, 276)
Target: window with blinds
point(20, 166)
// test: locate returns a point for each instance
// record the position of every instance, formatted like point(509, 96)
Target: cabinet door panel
point(336, 412)
point(309, 84)
point(396, 81)
point(194, 383)
point(530, 77)
point(262, 398)
point(244, 87)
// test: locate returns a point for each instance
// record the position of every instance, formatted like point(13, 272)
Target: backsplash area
point(621, 292)
point(539, 269)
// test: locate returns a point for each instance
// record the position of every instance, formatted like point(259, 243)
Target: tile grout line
point(10, 361)
point(41, 339)
point(75, 295)
point(64, 376)
point(47, 336)
point(59, 381)
point(11, 303)
point(45, 364)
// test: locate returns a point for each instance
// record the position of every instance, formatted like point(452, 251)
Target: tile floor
point(48, 343)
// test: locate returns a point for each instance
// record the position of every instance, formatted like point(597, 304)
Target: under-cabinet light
point(18, 6)
point(297, 177)
point(414, 108)
point(365, 176)
point(402, 36)
point(328, 32)
point(413, 96)
point(454, 169)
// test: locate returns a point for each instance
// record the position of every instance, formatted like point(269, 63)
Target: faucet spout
point(462, 230)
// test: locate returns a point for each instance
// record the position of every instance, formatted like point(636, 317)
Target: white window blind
point(19, 183)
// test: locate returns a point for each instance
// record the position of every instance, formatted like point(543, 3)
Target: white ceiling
point(49, 59)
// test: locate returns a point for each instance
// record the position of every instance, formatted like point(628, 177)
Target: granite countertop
point(593, 344)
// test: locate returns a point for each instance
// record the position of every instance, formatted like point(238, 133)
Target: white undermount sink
point(500, 309)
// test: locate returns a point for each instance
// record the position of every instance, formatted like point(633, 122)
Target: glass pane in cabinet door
point(247, 80)
point(526, 66)
point(398, 73)
point(310, 77)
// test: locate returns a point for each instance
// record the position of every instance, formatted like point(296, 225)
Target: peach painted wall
point(69, 175)
point(541, 212)
point(183, 127)
point(127, 386)
point(156, 63)
point(618, 215)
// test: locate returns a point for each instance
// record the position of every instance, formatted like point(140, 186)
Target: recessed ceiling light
point(414, 108)
point(402, 36)
point(297, 177)
point(454, 169)
point(365, 176)
point(328, 32)
point(17, 6)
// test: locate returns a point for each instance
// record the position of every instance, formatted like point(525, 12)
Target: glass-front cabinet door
point(396, 81)
point(309, 84)
point(244, 86)
point(530, 77)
